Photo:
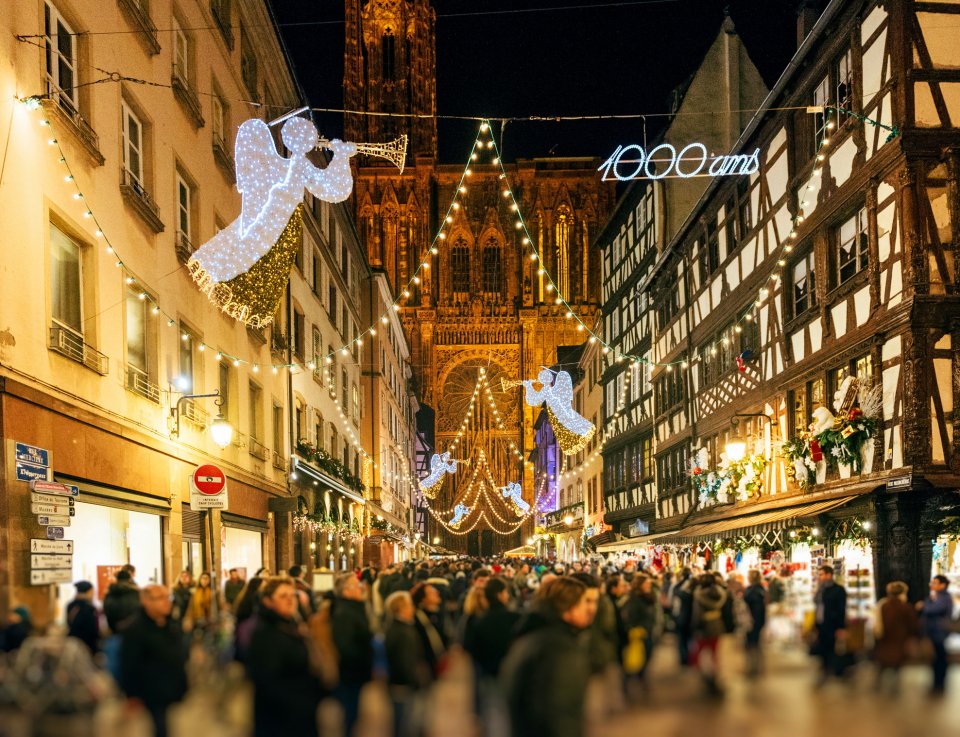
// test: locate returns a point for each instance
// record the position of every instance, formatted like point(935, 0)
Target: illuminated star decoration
point(238, 268)
point(459, 513)
point(572, 430)
point(440, 465)
point(513, 492)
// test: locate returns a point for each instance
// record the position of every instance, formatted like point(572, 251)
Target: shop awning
point(388, 516)
point(302, 467)
point(632, 543)
point(776, 517)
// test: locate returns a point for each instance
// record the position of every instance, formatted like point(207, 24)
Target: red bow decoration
point(815, 452)
point(741, 366)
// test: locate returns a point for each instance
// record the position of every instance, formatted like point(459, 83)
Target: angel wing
point(563, 387)
point(258, 168)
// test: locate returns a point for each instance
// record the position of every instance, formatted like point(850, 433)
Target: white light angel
point(460, 513)
point(272, 186)
point(440, 465)
point(514, 493)
point(573, 431)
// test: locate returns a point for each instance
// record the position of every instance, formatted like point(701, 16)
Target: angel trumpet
point(395, 151)
point(510, 383)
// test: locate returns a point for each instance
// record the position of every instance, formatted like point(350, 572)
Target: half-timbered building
point(837, 258)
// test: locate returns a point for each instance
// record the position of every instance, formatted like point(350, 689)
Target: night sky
point(602, 59)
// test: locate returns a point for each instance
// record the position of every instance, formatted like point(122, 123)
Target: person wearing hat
point(83, 619)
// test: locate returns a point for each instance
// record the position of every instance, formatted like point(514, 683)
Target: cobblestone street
point(784, 703)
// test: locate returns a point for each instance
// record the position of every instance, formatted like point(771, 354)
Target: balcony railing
point(137, 197)
point(183, 247)
point(279, 462)
point(221, 155)
point(186, 96)
point(70, 344)
point(60, 107)
point(192, 412)
point(139, 383)
point(278, 341)
point(257, 449)
point(139, 14)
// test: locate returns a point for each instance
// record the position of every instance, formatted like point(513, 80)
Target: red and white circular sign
point(209, 480)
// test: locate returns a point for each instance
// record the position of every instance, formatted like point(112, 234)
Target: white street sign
point(46, 560)
point(54, 520)
point(37, 498)
point(38, 545)
point(43, 577)
point(199, 502)
point(52, 509)
point(54, 487)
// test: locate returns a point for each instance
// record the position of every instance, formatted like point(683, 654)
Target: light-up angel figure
point(272, 188)
point(572, 430)
point(440, 465)
point(514, 493)
point(460, 513)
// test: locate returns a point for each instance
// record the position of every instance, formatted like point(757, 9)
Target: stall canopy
point(747, 522)
point(524, 551)
point(634, 542)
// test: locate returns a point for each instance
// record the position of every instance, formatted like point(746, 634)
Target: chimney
point(808, 12)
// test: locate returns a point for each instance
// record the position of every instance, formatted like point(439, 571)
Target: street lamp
point(220, 429)
point(736, 447)
point(568, 520)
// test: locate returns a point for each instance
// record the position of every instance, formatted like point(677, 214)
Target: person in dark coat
point(894, 627)
point(683, 614)
point(122, 601)
point(831, 623)
point(407, 666)
point(83, 619)
point(286, 687)
point(354, 642)
point(492, 634)
point(549, 657)
point(755, 599)
point(937, 611)
point(182, 593)
point(232, 587)
point(153, 656)
point(429, 602)
point(17, 629)
point(639, 616)
point(710, 599)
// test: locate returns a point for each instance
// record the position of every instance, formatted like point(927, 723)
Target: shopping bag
point(635, 651)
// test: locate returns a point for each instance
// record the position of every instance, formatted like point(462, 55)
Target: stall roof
point(633, 542)
point(758, 519)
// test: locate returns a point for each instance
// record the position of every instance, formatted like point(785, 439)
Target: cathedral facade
point(482, 303)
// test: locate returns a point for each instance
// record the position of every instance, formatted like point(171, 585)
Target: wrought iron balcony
point(220, 9)
point(70, 344)
point(139, 383)
point(186, 96)
point(221, 155)
point(192, 412)
point(257, 449)
point(138, 12)
point(60, 107)
point(140, 200)
point(183, 247)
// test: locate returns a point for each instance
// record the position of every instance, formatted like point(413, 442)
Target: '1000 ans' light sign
point(663, 161)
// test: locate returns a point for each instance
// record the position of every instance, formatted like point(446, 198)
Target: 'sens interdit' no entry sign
point(209, 480)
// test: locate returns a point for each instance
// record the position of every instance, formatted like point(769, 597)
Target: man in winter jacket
point(153, 657)
point(493, 632)
point(937, 611)
point(755, 599)
point(683, 614)
point(286, 687)
point(83, 619)
point(549, 656)
point(121, 602)
point(831, 620)
point(354, 642)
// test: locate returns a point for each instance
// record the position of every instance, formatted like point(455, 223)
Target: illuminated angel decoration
point(572, 430)
point(460, 513)
point(244, 268)
point(440, 465)
point(514, 493)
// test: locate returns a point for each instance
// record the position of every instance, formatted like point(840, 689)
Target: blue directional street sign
point(30, 472)
point(33, 455)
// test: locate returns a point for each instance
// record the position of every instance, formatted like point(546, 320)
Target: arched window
point(460, 270)
point(562, 227)
point(492, 267)
point(388, 47)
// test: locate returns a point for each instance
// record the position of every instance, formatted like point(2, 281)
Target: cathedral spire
point(390, 67)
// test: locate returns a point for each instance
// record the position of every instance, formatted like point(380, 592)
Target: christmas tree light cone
point(253, 296)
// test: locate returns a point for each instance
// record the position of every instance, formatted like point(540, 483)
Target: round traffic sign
point(209, 480)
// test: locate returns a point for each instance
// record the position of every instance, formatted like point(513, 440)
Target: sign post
point(208, 488)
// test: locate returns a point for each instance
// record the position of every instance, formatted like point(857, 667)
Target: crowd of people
point(561, 627)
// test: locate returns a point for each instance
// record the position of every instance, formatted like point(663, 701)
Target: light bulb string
point(785, 246)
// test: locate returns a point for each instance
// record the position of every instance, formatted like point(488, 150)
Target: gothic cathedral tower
point(481, 308)
point(391, 67)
